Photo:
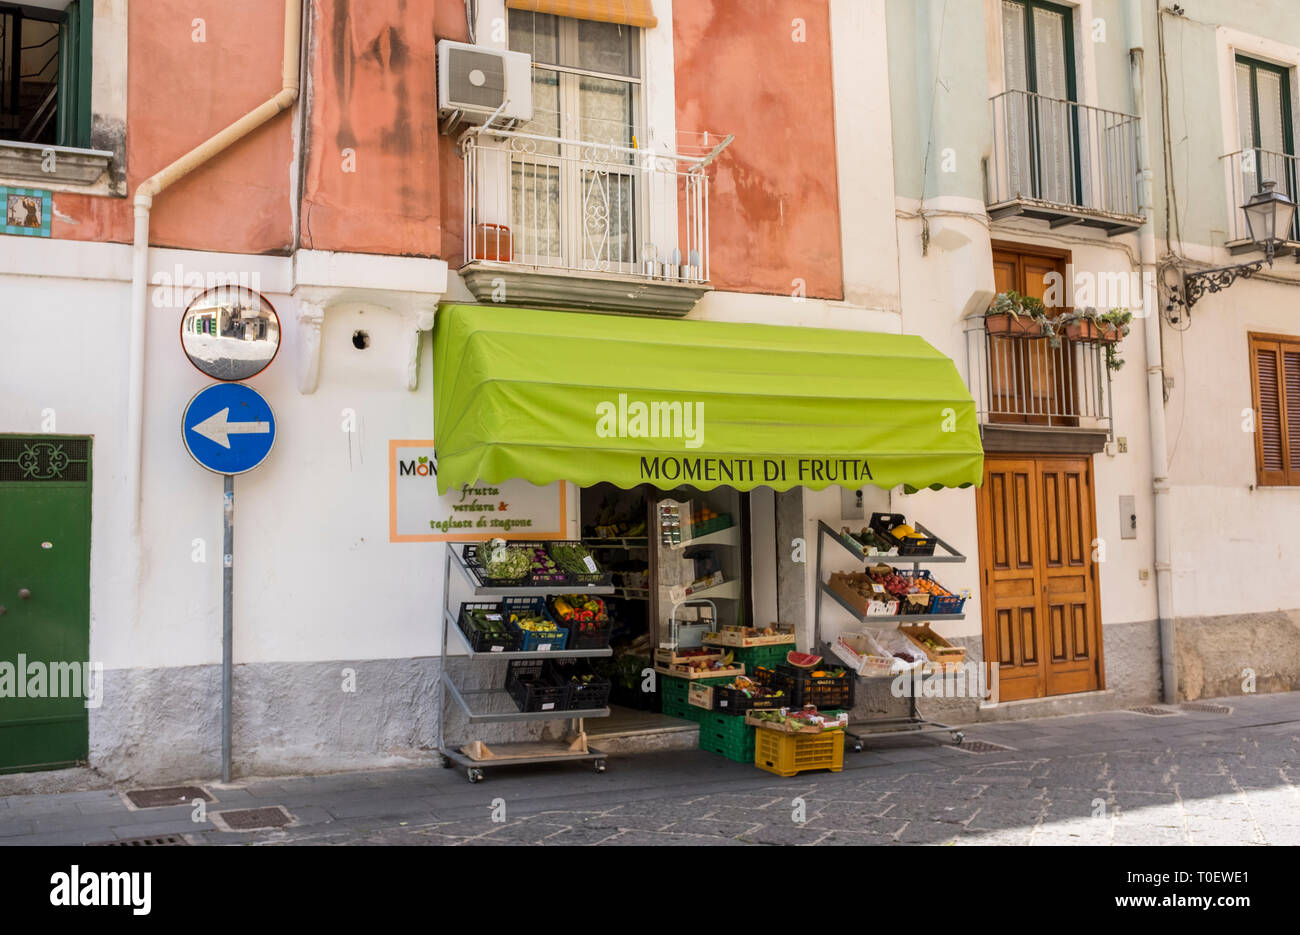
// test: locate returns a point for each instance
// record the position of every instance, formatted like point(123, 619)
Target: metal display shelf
point(495, 704)
point(913, 722)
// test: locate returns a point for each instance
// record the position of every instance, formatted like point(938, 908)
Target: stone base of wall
point(1217, 656)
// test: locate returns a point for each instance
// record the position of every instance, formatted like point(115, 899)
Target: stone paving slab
point(1113, 779)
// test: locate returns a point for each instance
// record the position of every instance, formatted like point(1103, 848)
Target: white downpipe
point(1155, 370)
point(144, 195)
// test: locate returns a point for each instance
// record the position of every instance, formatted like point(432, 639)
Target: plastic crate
point(763, 655)
point(733, 701)
point(597, 578)
point(790, 754)
point(717, 524)
point(881, 523)
point(821, 691)
point(535, 641)
point(598, 631)
point(484, 641)
point(583, 696)
point(939, 604)
point(681, 709)
point(478, 567)
point(740, 751)
point(534, 687)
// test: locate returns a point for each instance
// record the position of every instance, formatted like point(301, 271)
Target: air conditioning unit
point(475, 81)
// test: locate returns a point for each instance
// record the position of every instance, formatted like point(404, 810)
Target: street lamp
point(1269, 215)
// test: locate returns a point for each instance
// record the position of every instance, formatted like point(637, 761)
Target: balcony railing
point(562, 204)
point(1246, 169)
point(1063, 161)
point(1022, 381)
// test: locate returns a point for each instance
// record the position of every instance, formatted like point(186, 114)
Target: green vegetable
point(571, 557)
point(508, 563)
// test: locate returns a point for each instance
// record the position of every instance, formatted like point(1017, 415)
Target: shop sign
point(513, 509)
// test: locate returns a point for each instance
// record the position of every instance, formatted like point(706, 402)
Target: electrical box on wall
point(1128, 521)
point(851, 504)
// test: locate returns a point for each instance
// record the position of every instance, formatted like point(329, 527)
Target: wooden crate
point(735, 637)
point(683, 672)
point(701, 696)
point(845, 584)
point(672, 657)
point(945, 657)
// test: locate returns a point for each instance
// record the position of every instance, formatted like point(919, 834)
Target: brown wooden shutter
point(1270, 453)
point(1291, 409)
point(628, 12)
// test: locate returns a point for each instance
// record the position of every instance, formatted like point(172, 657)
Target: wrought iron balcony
point(1063, 162)
point(1021, 382)
point(579, 222)
point(1247, 168)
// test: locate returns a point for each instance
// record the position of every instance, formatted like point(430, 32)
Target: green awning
point(546, 396)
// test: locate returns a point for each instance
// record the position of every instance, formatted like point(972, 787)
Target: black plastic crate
point(485, 641)
point(587, 689)
point(824, 692)
point(475, 560)
point(594, 637)
point(597, 578)
point(534, 687)
point(734, 701)
point(881, 523)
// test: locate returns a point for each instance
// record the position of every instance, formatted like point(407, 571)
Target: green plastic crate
point(728, 741)
point(683, 710)
point(767, 656)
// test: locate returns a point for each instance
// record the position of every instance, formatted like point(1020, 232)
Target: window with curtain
point(1264, 126)
point(45, 74)
point(1275, 379)
point(1038, 68)
point(574, 192)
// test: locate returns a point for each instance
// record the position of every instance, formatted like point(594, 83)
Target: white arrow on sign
point(217, 428)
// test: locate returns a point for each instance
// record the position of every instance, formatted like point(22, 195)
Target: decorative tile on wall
point(27, 211)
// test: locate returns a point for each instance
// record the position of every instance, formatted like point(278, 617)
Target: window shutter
point(1291, 383)
point(1271, 467)
point(626, 12)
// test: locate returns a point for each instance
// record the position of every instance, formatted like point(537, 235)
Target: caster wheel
point(857, 747)
point(958, 736)
point(447, 763)
point(475, 775)
point(600, 766)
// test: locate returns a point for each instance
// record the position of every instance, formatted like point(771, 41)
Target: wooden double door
point(1039, 575)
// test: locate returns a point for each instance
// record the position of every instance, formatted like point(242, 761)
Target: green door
point(44, 601)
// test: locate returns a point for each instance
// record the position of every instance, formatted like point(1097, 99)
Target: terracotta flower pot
point(1083, 330)
point(1005, 323)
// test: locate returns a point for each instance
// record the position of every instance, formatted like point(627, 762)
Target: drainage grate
point(1204, 707)
point(160, 840)
point(168, 796)
point(981, 746)
point(252, 819)
point(1152, 711)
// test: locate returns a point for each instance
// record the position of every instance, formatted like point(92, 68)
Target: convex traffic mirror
point(230, 332)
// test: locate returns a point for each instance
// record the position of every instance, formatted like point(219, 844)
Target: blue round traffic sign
point(228, 428)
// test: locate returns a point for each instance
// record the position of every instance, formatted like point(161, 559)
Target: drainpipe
point(1155, 368)
point(144, 196)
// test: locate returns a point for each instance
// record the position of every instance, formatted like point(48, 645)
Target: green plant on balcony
point(1014, 314)
point(1118, 321)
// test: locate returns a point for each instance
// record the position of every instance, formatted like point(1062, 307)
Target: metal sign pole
point(227, 618)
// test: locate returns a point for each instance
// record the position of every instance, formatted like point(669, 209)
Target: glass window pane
point(1271, 135)
point(605, 111)
point(535, 196)
point(1245, 115)
point(546, 109)
point(607, 47)
point(608, 214)
point(1049, 54)
point(1015, 70)
point(538, 34)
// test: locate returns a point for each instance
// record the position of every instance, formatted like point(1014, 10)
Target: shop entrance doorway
point(1037, 530)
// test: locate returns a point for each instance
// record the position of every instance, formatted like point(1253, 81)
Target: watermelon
point(802, 660)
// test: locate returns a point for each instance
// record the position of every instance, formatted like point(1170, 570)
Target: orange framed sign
point(514, 509)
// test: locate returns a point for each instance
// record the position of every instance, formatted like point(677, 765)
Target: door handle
point(24, 593)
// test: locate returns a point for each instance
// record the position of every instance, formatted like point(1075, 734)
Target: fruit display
point(533, 623)
point(895, 585)
point(744, 694)
point(508, 562)
point(869, 540)
point(490, 622)
point(587, 612)
point(744, 637)
point(805, 720)
point(544, 569)
point(802, 660)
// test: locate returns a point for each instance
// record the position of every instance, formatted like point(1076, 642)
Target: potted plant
point(1083, 324)
point(1114, 327)
point(1014, 314)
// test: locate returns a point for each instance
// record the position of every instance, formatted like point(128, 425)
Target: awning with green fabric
point(546, 396)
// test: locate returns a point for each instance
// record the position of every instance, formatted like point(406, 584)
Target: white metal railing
point(1017, 380)
point(1247, 168)
point(566, 204)
point(1062, 153)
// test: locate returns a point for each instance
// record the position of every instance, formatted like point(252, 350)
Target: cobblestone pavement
point(1117, 778)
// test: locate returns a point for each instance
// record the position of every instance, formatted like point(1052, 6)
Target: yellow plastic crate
point(789, 754)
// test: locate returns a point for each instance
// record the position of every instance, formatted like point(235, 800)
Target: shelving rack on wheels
point(913, 722)
point(495, 704)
